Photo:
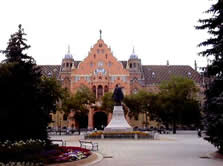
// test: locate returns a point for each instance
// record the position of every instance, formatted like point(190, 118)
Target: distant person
point(199, 132)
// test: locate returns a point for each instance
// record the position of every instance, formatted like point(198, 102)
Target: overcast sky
point(160, 30)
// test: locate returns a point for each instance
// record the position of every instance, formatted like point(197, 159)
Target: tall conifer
point(214, 91)
point(26, 97)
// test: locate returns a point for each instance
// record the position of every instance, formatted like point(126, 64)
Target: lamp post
point(60, 125)
point(147, 113)
point(146, 120)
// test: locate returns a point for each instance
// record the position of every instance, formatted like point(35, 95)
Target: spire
point(133, 50)
point(100, 31)
point(133, 55)
point(68, 55)
point(68, 51)
point(195, 65)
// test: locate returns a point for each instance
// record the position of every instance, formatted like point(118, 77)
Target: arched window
point(94, 90)
point(100, 91)
point(106, 89)
point(134, 65)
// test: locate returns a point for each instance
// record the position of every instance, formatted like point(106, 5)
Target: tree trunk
point(174, 126)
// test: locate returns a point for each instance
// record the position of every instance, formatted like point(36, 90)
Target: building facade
point(100, 71)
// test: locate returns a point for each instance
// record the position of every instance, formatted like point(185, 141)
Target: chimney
point(167, 63)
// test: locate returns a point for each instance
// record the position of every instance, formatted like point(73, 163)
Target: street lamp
point(147, 113)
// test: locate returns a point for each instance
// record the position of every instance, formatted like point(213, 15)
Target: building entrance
point(100, 120)
point(81, 121)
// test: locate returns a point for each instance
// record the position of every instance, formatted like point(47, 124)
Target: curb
point(215, 155)
point(97, 159)
point(94, 158)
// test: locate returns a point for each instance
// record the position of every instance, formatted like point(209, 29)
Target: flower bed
point(129, 135)
point(37, 151)
point(65, 154)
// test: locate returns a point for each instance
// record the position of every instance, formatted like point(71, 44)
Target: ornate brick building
point(101, 71)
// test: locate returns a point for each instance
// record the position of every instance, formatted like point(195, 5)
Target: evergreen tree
point(213, 120)
point(26, 97)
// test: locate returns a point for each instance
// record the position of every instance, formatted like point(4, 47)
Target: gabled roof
point(155, 74)
point(48, 70)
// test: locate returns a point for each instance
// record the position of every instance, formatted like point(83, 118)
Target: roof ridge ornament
point(100, 31)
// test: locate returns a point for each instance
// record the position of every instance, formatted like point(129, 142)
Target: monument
point(118, 122)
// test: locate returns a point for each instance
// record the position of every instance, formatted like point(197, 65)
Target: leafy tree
point(214, 102)
point(26, 97)
point(107, 102)
point(177, 103)
point(78, 102)
point(141, 102)
point(134, 104)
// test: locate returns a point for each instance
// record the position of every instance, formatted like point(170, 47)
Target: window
point(109, 64)
point(100, 45)
point(153, 74)
point(94, 56)
point(189, 74)
point(100, 64)
point(106, 56)
point(94, 90)
point(98, 51)
point(123, 78)
point(91, 64)
point(87, 78)
point(106, 89)
point(113, 78)
point(134, 65)
point(130, 65)
point(76, 78)
point(100, 91)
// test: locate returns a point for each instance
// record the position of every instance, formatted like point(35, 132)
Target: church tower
point(66, 68)
point(134, 66)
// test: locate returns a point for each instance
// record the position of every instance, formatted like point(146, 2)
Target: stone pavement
point(170, 150)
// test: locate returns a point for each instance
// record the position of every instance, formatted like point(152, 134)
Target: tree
point(141, 102)
point(214, 91)
point(177, 102)
point(78, 102)
point(26, 97)
point(107, 102)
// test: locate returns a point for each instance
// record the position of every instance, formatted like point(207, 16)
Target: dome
point(133, 55)
point(68, 55)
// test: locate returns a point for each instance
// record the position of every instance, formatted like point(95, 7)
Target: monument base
point(118, 122)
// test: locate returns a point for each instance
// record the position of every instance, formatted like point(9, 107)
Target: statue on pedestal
point(118, 122)
point(118, 95)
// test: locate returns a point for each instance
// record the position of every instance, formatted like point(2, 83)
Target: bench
point(63, 143)
point(88, 144)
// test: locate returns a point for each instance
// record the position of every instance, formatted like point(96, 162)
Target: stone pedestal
point(118, 122)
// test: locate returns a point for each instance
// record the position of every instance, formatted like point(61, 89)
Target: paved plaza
point(170, 150)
